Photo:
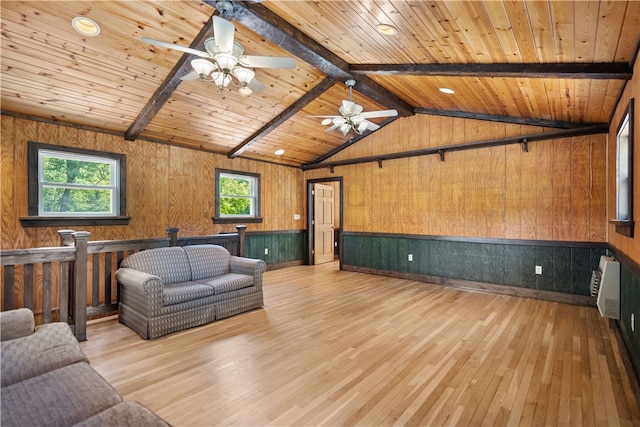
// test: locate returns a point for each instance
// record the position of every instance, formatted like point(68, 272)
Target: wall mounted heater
point(605, 286)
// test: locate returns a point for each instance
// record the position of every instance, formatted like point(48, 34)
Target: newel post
point(66, 278)
point(242, 229)
point(173, 236)
point(80, 289)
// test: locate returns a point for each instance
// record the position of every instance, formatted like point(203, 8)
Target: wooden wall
point(555, 191)
point(630, 246)
point(167, 186)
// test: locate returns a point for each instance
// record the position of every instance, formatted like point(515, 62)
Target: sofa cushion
point(16, 324)
point(127, 413)
point(177, 293)
point(50, 347)
point(61, 397)
point(207, 260)
point(170, 264)
point(228, 282)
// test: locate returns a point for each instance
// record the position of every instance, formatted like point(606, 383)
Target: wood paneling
point(167, 186)
point(629, 246)
point(551, 192)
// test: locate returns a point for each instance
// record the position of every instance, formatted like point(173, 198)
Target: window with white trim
point(77, 184)
point(72, 183)
point(237, 196)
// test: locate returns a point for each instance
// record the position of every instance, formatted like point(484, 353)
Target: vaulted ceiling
point(558, 64)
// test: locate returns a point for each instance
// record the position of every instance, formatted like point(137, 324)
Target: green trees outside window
point(237, 194)
point(76, 186)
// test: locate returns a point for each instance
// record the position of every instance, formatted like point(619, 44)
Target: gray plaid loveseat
point(165, 290)
point(47, 380)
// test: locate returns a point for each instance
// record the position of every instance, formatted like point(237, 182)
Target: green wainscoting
point(566, 266)
point(287, 247)
point(630, 303)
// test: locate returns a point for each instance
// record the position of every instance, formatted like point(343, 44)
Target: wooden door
point(323, 223)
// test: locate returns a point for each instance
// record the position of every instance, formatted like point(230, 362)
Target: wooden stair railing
point(76, 281)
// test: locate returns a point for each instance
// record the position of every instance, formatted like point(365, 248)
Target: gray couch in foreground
point(47, 380)
point(165, 290)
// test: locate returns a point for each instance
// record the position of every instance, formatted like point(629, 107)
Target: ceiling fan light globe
point(202, 67)
point(221, 79)
point(244, 75)
point(226, 61)
point(339, 121)
point(244, 91)
point(345, 128)
point(362, 126)
point(357, 120)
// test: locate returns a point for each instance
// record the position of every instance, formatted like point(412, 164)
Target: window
point(624, 174)
point(237, 197)
point(70, 186)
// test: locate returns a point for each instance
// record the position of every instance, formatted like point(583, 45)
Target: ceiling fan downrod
point(225, 8)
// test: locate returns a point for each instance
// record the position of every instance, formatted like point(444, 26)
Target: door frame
point(311, 216)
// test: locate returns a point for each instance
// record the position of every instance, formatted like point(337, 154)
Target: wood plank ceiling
point(559, 64)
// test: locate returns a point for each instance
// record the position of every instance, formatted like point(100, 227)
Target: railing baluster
point(28, 286)
point(47, 284)
point(95, 288)
point(9, 277)
point(107, 278)
point(63, 281)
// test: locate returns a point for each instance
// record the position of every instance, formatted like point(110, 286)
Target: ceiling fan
point(352, 117)
point(224, 62)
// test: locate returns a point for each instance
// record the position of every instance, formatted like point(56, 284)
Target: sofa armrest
point(248, 266)
point(16, 324)
point(140, 291)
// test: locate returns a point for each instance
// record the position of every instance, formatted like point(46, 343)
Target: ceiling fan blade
point(381, 113)
point(350, 108)
point(190, 76)
point(322, 117)
point(372, 126)
point(255, 85)
point(223, 32)
point(267, 62)
point(330, 128)
point(177, 47)
point(326, 121)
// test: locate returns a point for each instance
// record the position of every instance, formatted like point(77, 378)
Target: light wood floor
point(343, 348)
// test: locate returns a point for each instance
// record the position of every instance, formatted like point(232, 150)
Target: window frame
point(37, 219)
point(624, 223)
point(229, 219)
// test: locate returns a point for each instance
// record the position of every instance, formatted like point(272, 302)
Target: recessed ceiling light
point(279, 152)
point(85, 26)
point(387, 30)
point(447, 90)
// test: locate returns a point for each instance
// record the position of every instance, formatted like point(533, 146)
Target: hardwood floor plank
point(336, 348)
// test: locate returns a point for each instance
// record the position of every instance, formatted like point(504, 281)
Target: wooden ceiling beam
point(523, 139)
point(294, 108)
point(596, 71)
point(504, 119)
point(168, 85)
point(267, 24)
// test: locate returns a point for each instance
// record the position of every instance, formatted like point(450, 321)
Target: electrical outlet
point(410, 257)
point(538, 269)
point(266, 251)
point(633, 323)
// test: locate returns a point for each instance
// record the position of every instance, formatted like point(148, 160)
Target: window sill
point(236, 220)
point(57, 221)
point(623, 227)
